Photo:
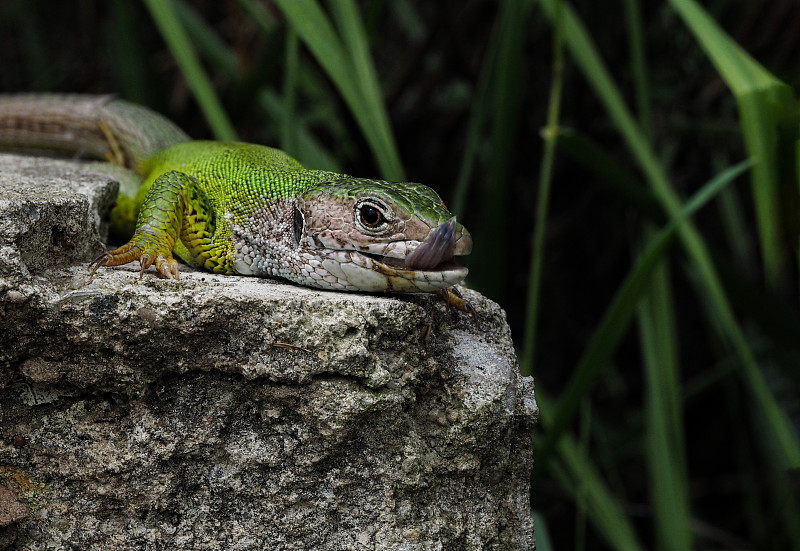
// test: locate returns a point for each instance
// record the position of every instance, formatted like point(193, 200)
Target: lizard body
point(238, 208)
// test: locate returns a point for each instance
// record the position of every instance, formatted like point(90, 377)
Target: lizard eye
point(370, 216)
point(373, 216)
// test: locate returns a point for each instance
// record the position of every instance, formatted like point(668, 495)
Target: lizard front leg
point(174, 206)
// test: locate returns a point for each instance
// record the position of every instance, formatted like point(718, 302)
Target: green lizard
point(238, 208)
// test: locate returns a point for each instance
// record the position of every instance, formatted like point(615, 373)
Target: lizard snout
point(442, 243)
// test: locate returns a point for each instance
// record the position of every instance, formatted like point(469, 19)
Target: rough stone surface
point(230, 413)
point(53, 212)
point(12, 509)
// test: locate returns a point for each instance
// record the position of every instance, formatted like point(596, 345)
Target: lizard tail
point(98, 127)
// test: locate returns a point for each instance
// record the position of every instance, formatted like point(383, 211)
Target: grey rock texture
point(233, 413)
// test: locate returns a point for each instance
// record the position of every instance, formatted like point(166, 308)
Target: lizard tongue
point(438, 247)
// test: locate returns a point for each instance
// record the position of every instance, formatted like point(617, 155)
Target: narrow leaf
point(163, 13)
point(316, 31)
point(585, 54)
point(764, 103)
point(577, 473)
point(595, 358)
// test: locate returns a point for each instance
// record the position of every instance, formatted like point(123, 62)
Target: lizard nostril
point(463, 243)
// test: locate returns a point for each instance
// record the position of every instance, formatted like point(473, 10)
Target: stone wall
point(220, 412)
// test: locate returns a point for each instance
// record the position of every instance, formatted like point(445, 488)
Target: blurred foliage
point(661, 319)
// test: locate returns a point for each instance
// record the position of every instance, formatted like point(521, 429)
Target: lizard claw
point(144, 262)
point(95, 264)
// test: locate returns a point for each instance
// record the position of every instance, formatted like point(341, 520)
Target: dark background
point(430, 57)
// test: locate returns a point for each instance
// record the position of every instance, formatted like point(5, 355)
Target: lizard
point(244, 209)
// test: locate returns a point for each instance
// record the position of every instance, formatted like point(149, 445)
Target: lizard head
point(373, 235)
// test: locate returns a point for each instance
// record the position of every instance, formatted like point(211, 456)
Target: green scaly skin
point(237, 208)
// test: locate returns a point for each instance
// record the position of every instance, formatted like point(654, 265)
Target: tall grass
point(764, 105)
point(176, 38)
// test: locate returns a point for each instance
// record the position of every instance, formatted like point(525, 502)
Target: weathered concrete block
point(220, 412)
point(53, 212)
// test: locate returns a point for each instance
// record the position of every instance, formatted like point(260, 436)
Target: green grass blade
point(308, 150)
point(220, 56)
point(316, 31)
point(130, 65)
point(354, 38)
point(304, 147)
point(634, 24)
point(543, 540)
point(163, 13)
point(259, 15)
point(595, 359)
point(290, 84)
point(543, 201)
point(664, 438)
point(737, 230)
point(585, 54)
point(478, 112)
point(772, 316)
point(577, 474)
point(489, 256)
point(764, 103)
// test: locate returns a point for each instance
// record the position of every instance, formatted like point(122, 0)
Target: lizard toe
point(453, 297)
point(167, 266)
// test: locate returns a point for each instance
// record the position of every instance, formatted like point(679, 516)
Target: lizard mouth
point(434, 256)
point(399, 277)
point(400, 264)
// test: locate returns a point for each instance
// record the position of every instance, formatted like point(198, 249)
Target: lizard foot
point(165, 264)
point(453, 297)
